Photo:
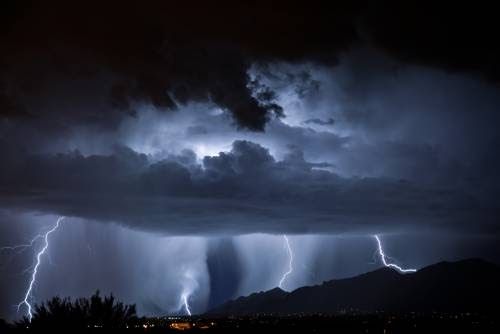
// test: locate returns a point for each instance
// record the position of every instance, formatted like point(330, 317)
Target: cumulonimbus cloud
point(88, 66)
point(241, 191)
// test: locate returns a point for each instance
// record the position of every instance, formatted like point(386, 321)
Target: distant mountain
point(464, 286)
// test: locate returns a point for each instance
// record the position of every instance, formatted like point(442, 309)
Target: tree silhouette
point(81, 313)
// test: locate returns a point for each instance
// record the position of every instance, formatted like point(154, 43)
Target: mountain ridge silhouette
point(471, 285)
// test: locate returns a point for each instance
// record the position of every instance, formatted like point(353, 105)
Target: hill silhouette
point(464, 286)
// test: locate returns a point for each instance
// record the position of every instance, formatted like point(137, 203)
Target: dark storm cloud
point(454, 36)
point(68, 66)
point(156, 52)
point(86, 63)
point(318, 121)
point(244, 190)
point(395, 120)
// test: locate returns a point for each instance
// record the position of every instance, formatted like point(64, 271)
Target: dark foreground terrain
point(448, 297)
point(341, 323)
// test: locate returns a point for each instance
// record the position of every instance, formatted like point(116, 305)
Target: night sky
point(182, 140)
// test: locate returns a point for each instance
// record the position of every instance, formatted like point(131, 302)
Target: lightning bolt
point(184, 297)
point(290, 261)
point(22, 247)
point(384, 261)
point(27, 295)
point(190, 285)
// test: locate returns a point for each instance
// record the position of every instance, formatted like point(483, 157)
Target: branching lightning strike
point(22, 247)
point(27, 295)
point(290, 262)
point(388, 264)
